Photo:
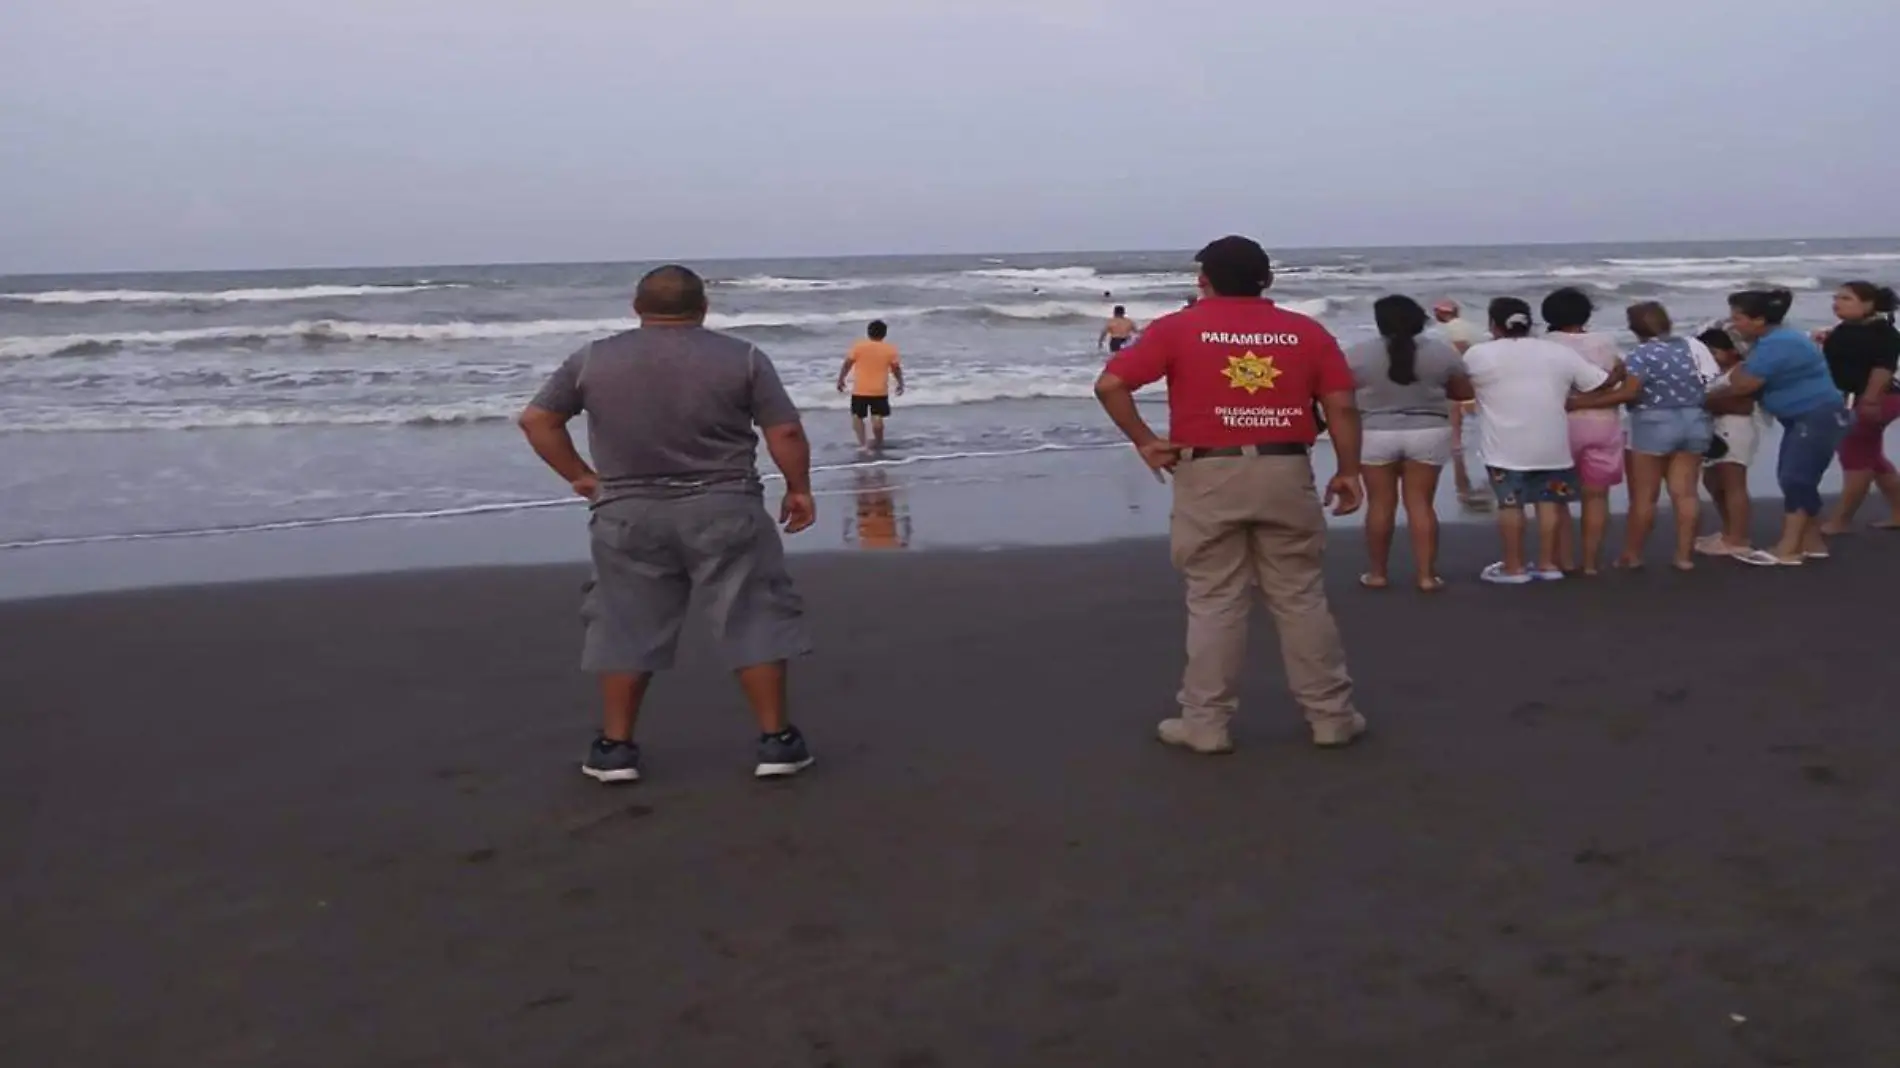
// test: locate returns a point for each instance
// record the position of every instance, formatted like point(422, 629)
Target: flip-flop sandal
point(1713, 545)
point(1817, 556)
point(1764, 558)
point(1373, 583)
point(1553, 575)
point(1495, 575)
point(1624, 565)
point(1432, 585)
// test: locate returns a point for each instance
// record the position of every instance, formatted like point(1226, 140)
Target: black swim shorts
point(863, 406)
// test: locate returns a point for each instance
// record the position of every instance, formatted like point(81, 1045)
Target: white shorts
point(1742, 435)
point(1429, 446)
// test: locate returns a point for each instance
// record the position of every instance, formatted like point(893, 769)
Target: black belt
point(1277, 448)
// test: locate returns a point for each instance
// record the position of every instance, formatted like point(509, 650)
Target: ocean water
point(169, 405)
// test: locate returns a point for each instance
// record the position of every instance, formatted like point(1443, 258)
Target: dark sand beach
point(1649, 820)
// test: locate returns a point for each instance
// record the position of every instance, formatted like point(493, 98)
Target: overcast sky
point(259, 133)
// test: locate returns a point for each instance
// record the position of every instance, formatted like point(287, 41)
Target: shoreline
point(1000, 500)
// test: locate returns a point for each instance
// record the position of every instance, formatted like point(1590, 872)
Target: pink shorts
point(1597, 446)
point(1864, 447)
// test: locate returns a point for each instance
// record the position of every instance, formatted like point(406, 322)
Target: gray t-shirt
point(670, 410)
point(1386, 405)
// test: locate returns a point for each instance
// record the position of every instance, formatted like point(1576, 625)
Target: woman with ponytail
point(1862, 353)
point(1787, 373)
point(1406, 385)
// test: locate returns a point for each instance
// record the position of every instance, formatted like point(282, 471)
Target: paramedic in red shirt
point(1243, 375)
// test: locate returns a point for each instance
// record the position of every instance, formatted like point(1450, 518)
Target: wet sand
point(1645, 820)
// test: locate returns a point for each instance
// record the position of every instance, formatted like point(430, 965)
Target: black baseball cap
point(1238, 258)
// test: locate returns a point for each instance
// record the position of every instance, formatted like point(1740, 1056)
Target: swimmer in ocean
point(1119, 331)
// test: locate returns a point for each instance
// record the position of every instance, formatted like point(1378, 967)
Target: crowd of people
point(1565, 416)
point(676, 413)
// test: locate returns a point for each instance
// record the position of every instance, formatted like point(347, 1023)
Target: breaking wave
point(333, 331)
point(221, 296)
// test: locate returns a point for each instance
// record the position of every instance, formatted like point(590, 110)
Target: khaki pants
point(1239, 522)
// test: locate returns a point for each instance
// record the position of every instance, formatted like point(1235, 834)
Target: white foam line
point(905, 461)
point(481, 509)
point(288, 524)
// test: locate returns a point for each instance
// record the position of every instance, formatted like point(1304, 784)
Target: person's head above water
point(1568, 308)
point(1510, 317)
point(1235, 266)
point(878, 330)
point(1121, 312)
point(1445, 310)
point(670, 295)
point(1756, 312)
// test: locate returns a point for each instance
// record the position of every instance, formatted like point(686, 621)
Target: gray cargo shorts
point(651, 556)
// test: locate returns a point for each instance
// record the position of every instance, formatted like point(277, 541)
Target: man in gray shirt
point(677, 507)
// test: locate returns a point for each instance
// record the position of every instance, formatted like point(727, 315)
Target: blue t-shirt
point(1669, 373)
point(1796, 374)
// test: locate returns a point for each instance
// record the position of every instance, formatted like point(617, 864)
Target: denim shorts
point(1515, 489)
point(1661, 431)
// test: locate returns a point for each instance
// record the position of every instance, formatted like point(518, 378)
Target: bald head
point(672, 293)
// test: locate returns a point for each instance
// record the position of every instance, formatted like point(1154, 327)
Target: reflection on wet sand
point(881, 516)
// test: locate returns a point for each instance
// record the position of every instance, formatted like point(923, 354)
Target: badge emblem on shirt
point(1251, 373)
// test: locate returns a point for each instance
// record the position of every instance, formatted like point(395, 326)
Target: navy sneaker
point(611, 761)
point(782, 755)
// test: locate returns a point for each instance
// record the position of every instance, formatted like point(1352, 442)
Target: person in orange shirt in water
point(875, 362)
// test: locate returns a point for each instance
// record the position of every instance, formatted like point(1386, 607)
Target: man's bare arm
point(843, 371)
point(1119, 402)
point(1344, 492)
point(791, 453)
point(547, 433)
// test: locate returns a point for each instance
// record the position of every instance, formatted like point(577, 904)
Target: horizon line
point(688, 260)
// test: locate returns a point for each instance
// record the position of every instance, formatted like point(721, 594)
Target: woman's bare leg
point(1855, 485)
point(1551, 520)
point(1645, 478)
point(1596, 527)
point(1687, 502)
point(1419, 489)
point(1382, 509)
point(1735, 506)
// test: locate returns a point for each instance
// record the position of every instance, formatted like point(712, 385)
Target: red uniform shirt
point(1240, 371)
